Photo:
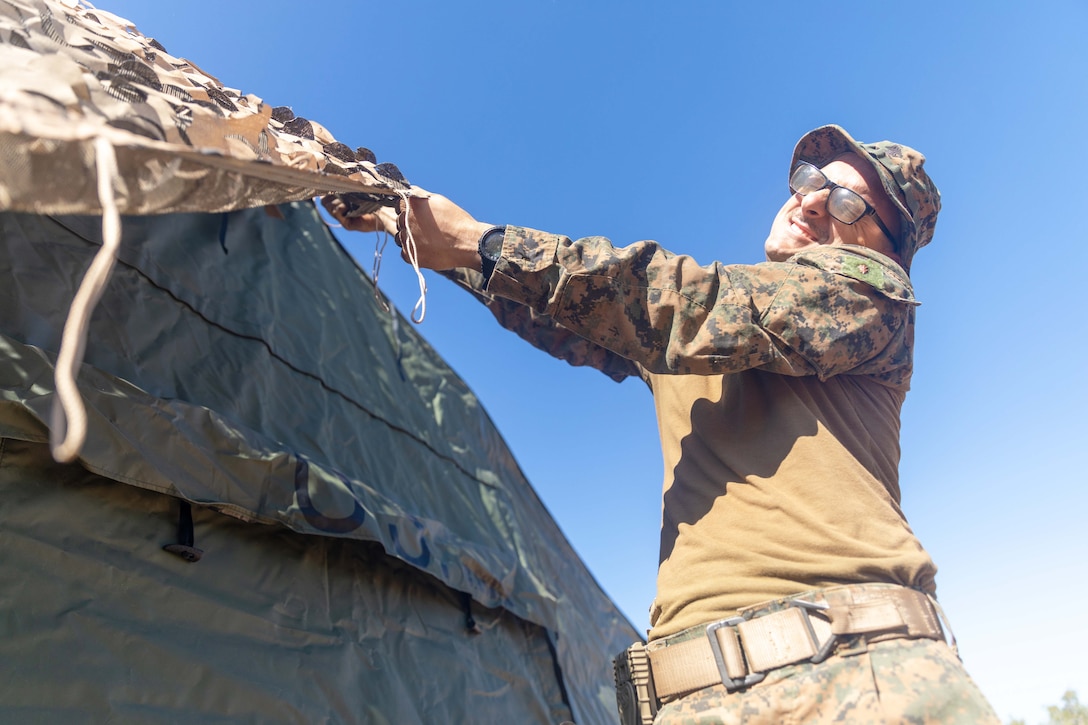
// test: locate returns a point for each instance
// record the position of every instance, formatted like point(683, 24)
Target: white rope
point(379, 249)
point(413, 258)
point(68, 427)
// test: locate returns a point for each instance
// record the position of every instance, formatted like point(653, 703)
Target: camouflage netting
point(184, 142)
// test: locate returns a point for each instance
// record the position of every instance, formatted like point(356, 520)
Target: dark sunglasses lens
point(846, 206)
point(807, 179)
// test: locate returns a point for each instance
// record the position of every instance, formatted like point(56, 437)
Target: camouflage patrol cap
point(900, 170)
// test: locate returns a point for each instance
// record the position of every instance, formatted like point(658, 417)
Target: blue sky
point(675, 122)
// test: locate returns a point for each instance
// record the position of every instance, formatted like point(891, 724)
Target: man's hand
point(444, 235)
point(382, 220)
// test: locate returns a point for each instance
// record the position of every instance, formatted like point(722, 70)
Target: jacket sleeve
point(828, 311)
point(543, 332)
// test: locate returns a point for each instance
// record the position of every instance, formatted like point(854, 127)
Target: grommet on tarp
point(470, 621)
point(184, 548)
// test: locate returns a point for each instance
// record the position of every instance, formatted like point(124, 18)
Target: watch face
point(491, 245)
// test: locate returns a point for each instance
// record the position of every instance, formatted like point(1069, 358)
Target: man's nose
point(815, 204)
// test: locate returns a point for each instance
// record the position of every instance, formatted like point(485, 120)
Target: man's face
point(804, 222)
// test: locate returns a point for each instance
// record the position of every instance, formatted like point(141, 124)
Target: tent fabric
point(239, 360)
point(100, 625)
point(242, 362)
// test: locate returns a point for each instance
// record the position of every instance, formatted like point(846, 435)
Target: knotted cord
point(68, 426)
point(409, 248)
point(413, 259)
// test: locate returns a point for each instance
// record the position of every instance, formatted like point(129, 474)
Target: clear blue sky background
point(675, 121)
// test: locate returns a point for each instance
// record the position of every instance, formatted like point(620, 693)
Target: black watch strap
point(490, 249)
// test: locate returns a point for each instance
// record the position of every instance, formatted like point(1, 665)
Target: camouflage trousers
point(896, 681)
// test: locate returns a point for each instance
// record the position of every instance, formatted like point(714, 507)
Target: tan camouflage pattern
point(898, 681)
point(70, 73)
point(900, 168)
point(826, 311)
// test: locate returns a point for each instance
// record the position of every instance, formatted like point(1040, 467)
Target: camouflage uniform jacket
point(779, 384)
point(825, 312)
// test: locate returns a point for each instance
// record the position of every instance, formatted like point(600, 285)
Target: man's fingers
point(363, 223)
point(401, 235)
point(337, 208)
point(382, 219)
point(386, 220)
point(333, 205)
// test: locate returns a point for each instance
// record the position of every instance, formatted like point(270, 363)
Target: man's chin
point(777, 252)
point(780, 248)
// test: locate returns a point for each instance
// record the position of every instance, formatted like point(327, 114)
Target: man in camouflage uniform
point(790, 586)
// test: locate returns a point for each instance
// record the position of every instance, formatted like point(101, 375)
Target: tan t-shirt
point(775, 485)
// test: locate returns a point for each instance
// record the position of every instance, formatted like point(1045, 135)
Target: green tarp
point(242, 363)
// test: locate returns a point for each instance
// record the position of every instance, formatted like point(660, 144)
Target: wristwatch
point(490, 249)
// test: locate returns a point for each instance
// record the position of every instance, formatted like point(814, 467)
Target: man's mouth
point(802, 230)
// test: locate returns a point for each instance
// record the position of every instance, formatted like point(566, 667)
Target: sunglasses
point(844, 205)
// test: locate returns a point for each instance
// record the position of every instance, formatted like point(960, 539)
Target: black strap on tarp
point(184, 548)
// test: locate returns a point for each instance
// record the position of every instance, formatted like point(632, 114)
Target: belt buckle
point(825, 649)
point(731, 685)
